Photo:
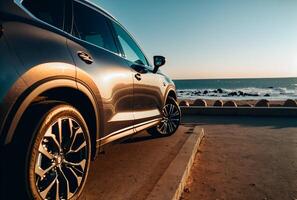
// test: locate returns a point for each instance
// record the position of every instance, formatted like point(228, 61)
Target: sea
point(238, 89)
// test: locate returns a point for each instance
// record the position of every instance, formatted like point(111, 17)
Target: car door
point(148, 87)
point(98, 63)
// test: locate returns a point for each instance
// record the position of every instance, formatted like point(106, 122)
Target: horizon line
point(181, 79)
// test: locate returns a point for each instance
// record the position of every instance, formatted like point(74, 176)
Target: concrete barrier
point(200, 102)
point(241, 111)
point(218, 103)
point(184, 103)
point(262, 103)
point(171, 185)
point(290, 103)
point(230, 104)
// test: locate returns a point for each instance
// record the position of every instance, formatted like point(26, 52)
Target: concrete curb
point(241, 111)
point(171, 185)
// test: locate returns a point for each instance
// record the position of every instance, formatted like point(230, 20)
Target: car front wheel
point(60, 155)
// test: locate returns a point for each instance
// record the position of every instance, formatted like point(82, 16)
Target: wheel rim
point(170, 120)
point(60, 167)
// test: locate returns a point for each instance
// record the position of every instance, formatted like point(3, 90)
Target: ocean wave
point(253, 93)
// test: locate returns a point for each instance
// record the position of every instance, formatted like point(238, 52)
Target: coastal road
point(244, 158)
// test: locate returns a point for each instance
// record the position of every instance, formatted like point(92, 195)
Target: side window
point(91, 26)
point(49, 11)
point(131, 50)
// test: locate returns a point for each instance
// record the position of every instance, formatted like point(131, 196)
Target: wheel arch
point(58, 89)
point(170, 93)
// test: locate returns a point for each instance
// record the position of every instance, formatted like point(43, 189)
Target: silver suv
point(72, 80)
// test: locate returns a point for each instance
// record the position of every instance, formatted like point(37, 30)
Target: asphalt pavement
point(244, 158)
point(130, 169)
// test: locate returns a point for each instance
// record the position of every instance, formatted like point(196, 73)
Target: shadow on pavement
point(139, 138)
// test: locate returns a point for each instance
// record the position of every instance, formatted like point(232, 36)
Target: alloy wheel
point(61, 164)
point(170, 120)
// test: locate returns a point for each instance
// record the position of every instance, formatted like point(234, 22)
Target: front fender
point(37, 82)
point(170, 89)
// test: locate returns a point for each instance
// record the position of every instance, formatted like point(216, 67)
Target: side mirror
point(158, 62)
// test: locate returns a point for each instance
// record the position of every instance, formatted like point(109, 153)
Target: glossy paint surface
point(110, 75)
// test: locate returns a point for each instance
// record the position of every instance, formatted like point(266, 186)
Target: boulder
point(197, 93)
point(200, 102)
point(262, 103)
point(220, 90)
point(290, 103)
point(218, 103)
point(251, 95)
point(230, 104)
point(267, 95)
point(184, 103)
point(205, 92)
point(232, 94)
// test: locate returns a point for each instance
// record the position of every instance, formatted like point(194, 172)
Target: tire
point(170, 121)
point(57, 161)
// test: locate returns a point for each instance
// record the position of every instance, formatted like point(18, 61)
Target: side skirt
point(126, 132)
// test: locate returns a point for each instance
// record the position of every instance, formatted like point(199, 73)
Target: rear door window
point(91, 26)
point(49, 11)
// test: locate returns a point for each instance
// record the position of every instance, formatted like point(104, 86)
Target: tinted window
point(49, 11)
point(92, 27)
point(131, 50)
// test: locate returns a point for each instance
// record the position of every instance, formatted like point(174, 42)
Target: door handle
point(85, 57)
point(138, 76)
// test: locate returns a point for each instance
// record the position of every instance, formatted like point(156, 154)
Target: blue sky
point(214, 38)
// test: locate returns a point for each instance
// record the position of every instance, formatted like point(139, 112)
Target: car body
point(76, 53)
